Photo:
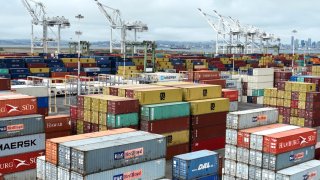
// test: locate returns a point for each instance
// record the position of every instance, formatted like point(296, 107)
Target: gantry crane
point(38, 14)
point(116, 22)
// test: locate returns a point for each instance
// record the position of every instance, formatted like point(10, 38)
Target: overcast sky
point(169, 19)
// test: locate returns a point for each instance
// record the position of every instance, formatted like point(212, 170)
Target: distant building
point(309, 43)
point(314, 45)
point(303, 43)
point(296, 44)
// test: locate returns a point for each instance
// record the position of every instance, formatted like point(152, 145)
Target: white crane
point(38, 14)
point(116, 22)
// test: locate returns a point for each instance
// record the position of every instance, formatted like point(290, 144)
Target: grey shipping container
point(268, 174)
point(242, 171)
point(230, 152)
point(148, 170)
point(22, 144)
point(243, 155)
point(41, 167)
point(252, 118)
point(255, 158)
point(288, 159)
point(255, 172)
point(113, 154)
point(63, 173)
point(305, 171)
point(23, 175)
point(64, 157)
point(51, 171)
point(228, 177)
point(230, 167)
point(231, 136)
point(21, 125)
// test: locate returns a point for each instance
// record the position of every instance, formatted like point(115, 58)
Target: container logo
point(162, 96)
point(203, 166)
point(303, 140)
point(10, 128)
point(259, 118)
point(212, 106)
point(11, 108)
point(17, 145)
point(129, 175)
point(128, 154)
point(297, 156)
point(310, 175)
point(205, 92)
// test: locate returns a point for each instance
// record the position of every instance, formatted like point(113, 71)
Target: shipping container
point(231, 94)
point(211, 119)
point(57, 134)
point(230, 167)
point(53, 144)
point(288, 159)
point(51, 171)
point(154, 169)
point(21, 125)
point(41, 167)
point(195, 165)
point(122, 120)
point(289, 140)
point(22, 144)
point(198, 92)
point(65, 148)
point(25, 175)
point(209, 106)
point(17, 104)
point(203, 133)
point(252, 118)
point(42, 102)
point(177, 137)
point(91, 158)
point(157, 96)
point(165, 111)
point(307, 170)
point(123, 106)
point(57, 123)
point(209, 144)
point(5, 84)
point(36, 91)
point(176, 150)
point(166, 125)
point(19, 162)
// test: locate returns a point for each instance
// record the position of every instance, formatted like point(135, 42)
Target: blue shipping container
point(43, 102)
point(12, 61)
point(16, 65)
point(19, 70)
point(34, 60)
point(19, 76)
point(5, 76)
point(58, 69)
point(93, 73)
point(40, 74)
point(195, 165)
point(212, 177)
point(53, 61)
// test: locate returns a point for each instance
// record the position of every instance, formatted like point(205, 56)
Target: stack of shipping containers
point(114, 154)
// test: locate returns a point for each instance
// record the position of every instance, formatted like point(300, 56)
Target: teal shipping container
point(165, 111)
point(122, 120)
point(256, 92)
point(4, 71)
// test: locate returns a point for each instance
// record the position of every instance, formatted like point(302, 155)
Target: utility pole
point(79, 33)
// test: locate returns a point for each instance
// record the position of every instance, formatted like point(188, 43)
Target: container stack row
point(114, 154)
point(259, 148)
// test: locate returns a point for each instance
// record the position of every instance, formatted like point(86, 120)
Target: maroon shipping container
point(37, 65)
point(43, 111)
point(58, 134)
point(209, 132)
point(301, 113)
point(87, 127)
point(113, 91)
point(289, 140)
point(59, 74)
point(80, 113)
point(95, 127)
point(294, 103)
point(19, 162)
point(220, 82)
point(176, 150)
point(57, 123)
point(312, 115)
point(205, 75)
point(85, 65)
point(73, 112)
point(17, 104)
point(80, 101)
point(76, 73)
point(73, 126)
point(210, 119)
point(313, 97)
point(317, 153)
point(209, 144)
point(71, 65)
point(165, 125)
point(123, 106)
point(295, 95)
point(311, 106)
point(5, 84)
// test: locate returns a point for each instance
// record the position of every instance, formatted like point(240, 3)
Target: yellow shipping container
point(301, 122)
point(87, 60)
point(106, 90)
point(102, 128)
point(288, 86)
point(172, 83)
point(273, 101)
point(293, 120)
point(287, 95)
point(177, 137)
point(266, 100)
point(95, 117)
point(87, 102)
point(267, 92)
point(87, 115)
point(103, 118)
point(280, 119)
point(280, 94)
point(69, 60)
point(302, 96)
point(287, 103)
point(122, 68)
point(122, 91)
point(274, 92)
point(209, 106)
point(302, 105)
point(198, 92)
point(39, 70)
point(156, 96)
point(307, 87)
point(280, 102)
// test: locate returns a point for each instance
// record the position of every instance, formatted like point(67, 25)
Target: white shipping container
point(262, 85)
point(41, 168)
point(262, 71)
point(230, 167)
point(309, 170)
point(22, 144)
point(255, 158)
point(255, 172)
point(230, 152)
point(51, 171)
point(63, 173)
point(233, 106)
point(23, 175)
point(243, 155)
point(228, 177)
point(231, 136)
point(244, 99)
point(269, 175)
point(36, 91)
point(260, 100)
point(242, 171)
point(260, 79)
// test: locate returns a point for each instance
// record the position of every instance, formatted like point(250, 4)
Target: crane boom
point(114, 19)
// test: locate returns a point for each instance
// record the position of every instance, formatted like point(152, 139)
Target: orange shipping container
point(17, 104)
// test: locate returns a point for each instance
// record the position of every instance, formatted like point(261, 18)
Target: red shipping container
point(220, 82)
point(289, 140)
point(57, 123)
point(209, 144)
point(87, 127)
point(5, 84)
point(59, 74)
point(73, 112)
point(294, 103)
point(176, 150)
point(165, 125)
point(71, 65)
point(208, 132)
point(205, 75)
point(80, 113)
point(43, 111)
point(123, 106)
point(211, 119)
point(76, 73)
point(243, 137)
point(313, 96)
point(19, 162)
point(88, 65)
point(73, 126)
point(58, 134)
point(17, 104)
point(36, 65)
point(232, 94)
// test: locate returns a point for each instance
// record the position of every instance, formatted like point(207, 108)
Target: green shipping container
point(122, 120)
point(165, 111)
point(4, 71)
point(300, 79)
point(257, 92)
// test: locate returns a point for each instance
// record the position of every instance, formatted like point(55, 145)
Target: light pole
point(293, 32)
point(79, 33)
